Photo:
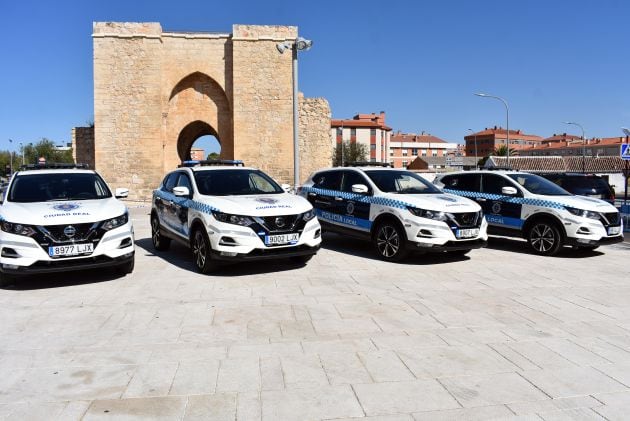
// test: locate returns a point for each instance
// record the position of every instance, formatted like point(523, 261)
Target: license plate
point(467, 233)
point(272, 240)
point(614, 230)
point(70, 250)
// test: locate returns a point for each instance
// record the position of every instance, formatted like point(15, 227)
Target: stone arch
point(197, 106)
point(190, 134)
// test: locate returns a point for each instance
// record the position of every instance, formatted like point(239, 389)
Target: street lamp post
point(507, 122)
point(583, 144)
point(476, 158)
point(11, 152)
point(298, 44)
point(22, 148)
point(626, 131)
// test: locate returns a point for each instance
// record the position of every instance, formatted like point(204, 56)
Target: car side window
point(353, 177)
point(184, 181)
point(462, 182)
point(170, 181)
point(329, 180)
point(493, 184)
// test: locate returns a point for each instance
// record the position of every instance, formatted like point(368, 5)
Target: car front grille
point(610, 218)
point(279, 223)
point(56, 235)
point(466, 219)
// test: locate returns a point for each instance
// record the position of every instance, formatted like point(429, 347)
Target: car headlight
point(429, 214)
point(308, 215)
point(244, 221)
point(116, 222)
point(583, 213)
point(17, 229)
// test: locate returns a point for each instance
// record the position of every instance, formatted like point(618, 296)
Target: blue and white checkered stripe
point(374, 200)
point(188, 203)
point(509, 199)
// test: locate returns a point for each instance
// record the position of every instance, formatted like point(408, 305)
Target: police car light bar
point(213, 162)
point(366, 164)
point(54, 166)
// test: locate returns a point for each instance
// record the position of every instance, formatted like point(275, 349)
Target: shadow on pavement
point(61, 279)
point(365, 249)
point(181, 257)
point(517, 245)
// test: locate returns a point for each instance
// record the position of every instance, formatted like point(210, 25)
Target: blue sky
point(419, 61)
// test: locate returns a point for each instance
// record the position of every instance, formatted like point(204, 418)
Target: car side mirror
point(286, 187)
point(121, 192)
point(509, 191)
point(359, 188)
point(181, 191)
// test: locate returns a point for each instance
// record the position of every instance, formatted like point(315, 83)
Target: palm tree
point(501, 150)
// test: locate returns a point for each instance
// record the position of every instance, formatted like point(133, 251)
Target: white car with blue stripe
point(398, 210)
point(62, 217)
point(226, 212)
point(527, 205)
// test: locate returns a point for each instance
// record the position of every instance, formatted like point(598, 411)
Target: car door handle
point(338, 199)
point(480, 199)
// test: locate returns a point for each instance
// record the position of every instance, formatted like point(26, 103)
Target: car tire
point(160, 242)
point(127, 267)
point(544, 238)
point(301, 259)
point(200, 246)
point(390, 242)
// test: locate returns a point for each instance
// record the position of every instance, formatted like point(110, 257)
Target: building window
point(372, 159)
point(391, 153)
point(434, 153)
point(373, 147)
point(404, 152)
point(372, 132)
point(339, 131)
point(353, 132)
point(404, 164)
point(414, 152)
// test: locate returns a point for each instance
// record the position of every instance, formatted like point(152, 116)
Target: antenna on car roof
point(366, 164)
point(213, 162)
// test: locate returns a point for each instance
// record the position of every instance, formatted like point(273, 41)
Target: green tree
point(349, 151)
point(213, 155)
point(501, 150)
point(45, 148)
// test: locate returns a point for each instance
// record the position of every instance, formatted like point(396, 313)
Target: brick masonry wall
point(83, 145)
point(155, 91)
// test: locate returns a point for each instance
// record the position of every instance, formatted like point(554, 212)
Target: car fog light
point(229, 253)
point(318, 233)
point(583, 240)
point(9, 266)
point(426, 245)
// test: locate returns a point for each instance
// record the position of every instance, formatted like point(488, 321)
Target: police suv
point(397, 210)
point(527, 205)
point(226, 212)
point(61, 217)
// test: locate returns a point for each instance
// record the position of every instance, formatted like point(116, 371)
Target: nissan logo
point(279, 222)
point(467, 218)
point(69, 231)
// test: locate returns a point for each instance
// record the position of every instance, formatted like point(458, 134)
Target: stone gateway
point(156, 92)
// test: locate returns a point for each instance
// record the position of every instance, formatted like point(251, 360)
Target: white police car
point(226, 212)
point(61, 217)
point(526, 205)
point(397, 210)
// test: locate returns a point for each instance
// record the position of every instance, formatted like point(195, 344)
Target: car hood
point(258, 205)
point(442, 202)
point(62, 212)
point(580, 202)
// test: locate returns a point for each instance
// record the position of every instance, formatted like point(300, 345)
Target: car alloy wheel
point(200, 250)
point(390, 242)
point(544, 238)
point(159, 242)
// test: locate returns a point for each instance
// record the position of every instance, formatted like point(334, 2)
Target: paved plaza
point(499, 334)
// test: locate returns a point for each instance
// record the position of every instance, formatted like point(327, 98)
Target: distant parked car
point(590, 185)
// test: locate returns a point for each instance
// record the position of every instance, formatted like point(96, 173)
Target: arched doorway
point(197, 135)
point(198, 110)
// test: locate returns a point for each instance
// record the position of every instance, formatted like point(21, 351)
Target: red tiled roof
point(411, 137)
point(358, 123)
point(561, 137)
point(500, 132)
point(542, 164)
point(590, 143)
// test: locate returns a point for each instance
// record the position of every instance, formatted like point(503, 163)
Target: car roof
point(219, 167)
point(55, 171)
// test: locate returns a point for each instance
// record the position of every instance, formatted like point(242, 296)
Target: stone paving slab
point(498, 334)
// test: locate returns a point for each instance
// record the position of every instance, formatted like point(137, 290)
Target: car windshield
point(585, 183)
point(235, 183)
point(399, 181)
point(51, 187)
point(538, 185)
